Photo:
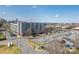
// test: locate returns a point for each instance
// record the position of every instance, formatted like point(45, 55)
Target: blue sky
point(41, 13)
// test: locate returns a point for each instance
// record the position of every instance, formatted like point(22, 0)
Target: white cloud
point(34, 6)
point(56, 15)
point(3, 12)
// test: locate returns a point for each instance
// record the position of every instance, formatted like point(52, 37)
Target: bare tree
point(56, 47)
point(47, 30)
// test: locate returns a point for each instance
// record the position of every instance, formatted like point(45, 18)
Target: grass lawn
point(12, 50)
point(1, 36)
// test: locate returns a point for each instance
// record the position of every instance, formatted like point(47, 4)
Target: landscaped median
point(35, 45)
point(9, 50)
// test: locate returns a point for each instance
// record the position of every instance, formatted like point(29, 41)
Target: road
point(26, 48)
point(4, 42)
point(49, 38)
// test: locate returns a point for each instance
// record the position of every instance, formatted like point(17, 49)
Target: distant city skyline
point(41, 13)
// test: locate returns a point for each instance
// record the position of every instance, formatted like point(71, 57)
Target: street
point(25, 47)
point(3, 42)
point(20, 42)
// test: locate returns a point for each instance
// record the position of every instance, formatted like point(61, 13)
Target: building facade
point(20, 28)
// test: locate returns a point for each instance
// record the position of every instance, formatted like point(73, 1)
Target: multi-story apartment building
point(20, 27)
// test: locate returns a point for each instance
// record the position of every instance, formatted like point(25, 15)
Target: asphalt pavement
point(26, 48)
point(20, 42)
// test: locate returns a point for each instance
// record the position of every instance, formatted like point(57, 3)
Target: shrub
point(2, 37)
